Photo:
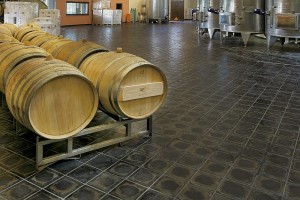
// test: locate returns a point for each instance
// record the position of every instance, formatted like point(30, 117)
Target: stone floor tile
point(102, 161)
point(168, 186)
point(158, 165)
point(42, 194)
point(151, 194)
point(233, 189)
point(7, 180)
point(44, 178)
point(20, 191)
point(144, 177)
point(105, 181)
point(259, 195)
point(128, 190)
point(86, 192)
point(193, 192)
point(63, 187)
point(215, 168)
point(241, 175)
point(205, 179)
point(65, 166)
point(274, 172)
point(269, 185)
point(84, 173)
point(122, 169)
point(248, 164)
point(293, 191)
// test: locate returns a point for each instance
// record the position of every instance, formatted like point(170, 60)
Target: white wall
point(136, 4)
point(190, 4)
point(187, 5)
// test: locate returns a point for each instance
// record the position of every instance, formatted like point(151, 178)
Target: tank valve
point(259, 11)
point(212, 10)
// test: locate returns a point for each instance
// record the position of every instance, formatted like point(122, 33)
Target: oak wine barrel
point(13, 54)
point(23, 30)
point(41, 39)
point(75, 52)
point(51, 97)
point(127, 85)
point(7, 38)
point(51, 45)
point(11, 27)
point(29, 36)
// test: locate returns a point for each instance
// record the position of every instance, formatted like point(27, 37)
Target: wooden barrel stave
point(13, 55)
point(41, 39)
point(7, 38)
point(52, 45)
point(29, 36)
point(11, 27)
point(83, 50)
point(21, 32)
point(5, 30)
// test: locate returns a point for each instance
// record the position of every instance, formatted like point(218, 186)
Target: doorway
point(177, 9)
point(119, 6)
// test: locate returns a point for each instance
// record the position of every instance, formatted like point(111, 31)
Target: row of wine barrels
point(127, 85)
point(48, 96)
point(59, 47)
point(11, 54)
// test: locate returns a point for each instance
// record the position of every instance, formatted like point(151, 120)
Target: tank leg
point(211, 32)
point(282, 40)
point(245, 37)
point(201, 32)
point(222, 33)
point(271, 40)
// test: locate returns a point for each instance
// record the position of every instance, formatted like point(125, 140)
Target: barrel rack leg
point(150, 125)
point(3, 101)
point(19, 128)
point(42, 162)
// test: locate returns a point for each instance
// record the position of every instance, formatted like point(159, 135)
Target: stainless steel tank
point(157, 10)
point(50, 3)
point(282, 20)
point(208, 16)
point(238, 16)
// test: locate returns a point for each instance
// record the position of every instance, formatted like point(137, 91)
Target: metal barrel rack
point(43, 161)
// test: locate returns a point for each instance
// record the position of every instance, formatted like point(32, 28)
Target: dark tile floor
point(229, 128)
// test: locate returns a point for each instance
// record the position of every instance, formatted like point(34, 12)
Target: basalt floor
point(229, 128)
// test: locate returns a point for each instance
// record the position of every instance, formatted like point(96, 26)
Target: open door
point(177, 9)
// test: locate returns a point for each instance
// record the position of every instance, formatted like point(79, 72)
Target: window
point(77, 8)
